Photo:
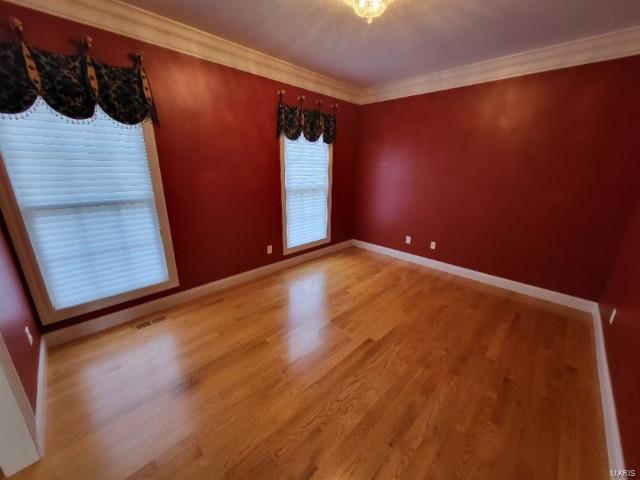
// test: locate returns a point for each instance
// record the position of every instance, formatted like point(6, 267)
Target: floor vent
point(148, 323)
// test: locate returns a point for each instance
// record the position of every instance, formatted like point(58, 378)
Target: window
point(84, 204)
point(306, 191)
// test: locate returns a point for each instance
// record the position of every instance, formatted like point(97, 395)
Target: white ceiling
point(414, 37)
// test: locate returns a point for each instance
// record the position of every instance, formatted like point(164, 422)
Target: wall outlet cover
point(407, 239)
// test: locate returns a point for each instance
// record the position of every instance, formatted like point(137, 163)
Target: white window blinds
point(86, 197)
point(306, 184)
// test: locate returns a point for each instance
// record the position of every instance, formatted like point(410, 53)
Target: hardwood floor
point(350, 366)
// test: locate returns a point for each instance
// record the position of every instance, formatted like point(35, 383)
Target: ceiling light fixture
point(368, 9)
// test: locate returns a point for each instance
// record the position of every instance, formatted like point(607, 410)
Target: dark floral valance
point(72, 84)
point(294, 121)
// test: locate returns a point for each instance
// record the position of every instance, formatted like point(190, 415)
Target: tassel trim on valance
point(72, 84)
point(293, 121)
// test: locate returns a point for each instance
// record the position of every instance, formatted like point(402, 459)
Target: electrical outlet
point(613, 316)
point(407, 239)
point(432, 246)
point(29, 336)
point(269, 249)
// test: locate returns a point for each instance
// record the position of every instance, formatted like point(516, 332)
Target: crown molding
point(134, 22)
point(617, 44)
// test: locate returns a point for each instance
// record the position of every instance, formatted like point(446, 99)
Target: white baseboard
point(58, 337)
point(64, 335)
point(18, 444)
point(614, 444)
point(612, 432)
point(41, 399)
point(526, 289)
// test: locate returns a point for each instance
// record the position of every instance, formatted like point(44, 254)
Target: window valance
point(294, 121)
point(73, 84)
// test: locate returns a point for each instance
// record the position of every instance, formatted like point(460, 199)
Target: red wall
point(15, 314)
point(218, 152)
point(530, 178)
point(623, 336)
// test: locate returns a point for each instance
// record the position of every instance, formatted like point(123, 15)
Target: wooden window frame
point(26, 254)
point(283, 199)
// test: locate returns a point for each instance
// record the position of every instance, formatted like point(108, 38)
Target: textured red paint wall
point(623, 336)
point(16, 313)
point(530, 178)
point(218, 152)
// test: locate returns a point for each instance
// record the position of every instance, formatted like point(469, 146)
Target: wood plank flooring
point(352, 366)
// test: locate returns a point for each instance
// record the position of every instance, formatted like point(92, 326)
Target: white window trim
point(26, 255)
point(283, 191)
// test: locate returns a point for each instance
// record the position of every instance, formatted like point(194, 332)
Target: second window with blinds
point(306, 193)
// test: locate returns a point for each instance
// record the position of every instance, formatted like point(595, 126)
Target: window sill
point(53, 316)
point(306, 246)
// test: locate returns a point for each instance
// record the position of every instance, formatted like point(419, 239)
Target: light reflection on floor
point(306, 314)
point(154, 370)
